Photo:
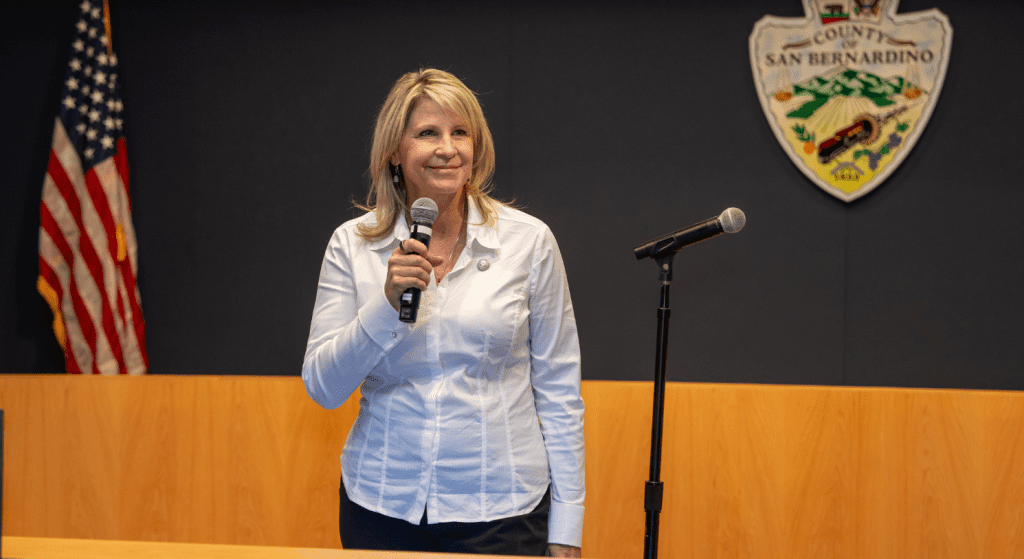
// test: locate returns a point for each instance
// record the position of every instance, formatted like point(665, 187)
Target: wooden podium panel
point(749, 471)
point(233, 460)
point(778, 472)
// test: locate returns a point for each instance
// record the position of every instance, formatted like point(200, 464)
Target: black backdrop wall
point(248, 132)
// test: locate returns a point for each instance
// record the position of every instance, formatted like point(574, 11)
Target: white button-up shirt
point(470, 413)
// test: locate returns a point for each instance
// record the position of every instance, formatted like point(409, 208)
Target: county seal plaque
point(849, 88)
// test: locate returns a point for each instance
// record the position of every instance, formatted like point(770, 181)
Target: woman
point(470, 430)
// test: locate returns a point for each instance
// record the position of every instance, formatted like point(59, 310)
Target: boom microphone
point(423, 212)
point(731, 221)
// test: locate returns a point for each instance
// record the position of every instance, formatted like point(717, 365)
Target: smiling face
point(435, 153)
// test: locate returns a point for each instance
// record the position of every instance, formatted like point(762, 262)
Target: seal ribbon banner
point(849, 88)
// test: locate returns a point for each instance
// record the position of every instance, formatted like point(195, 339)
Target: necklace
point(450, 263)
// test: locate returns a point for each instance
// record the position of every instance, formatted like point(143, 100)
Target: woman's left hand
point(558, 550)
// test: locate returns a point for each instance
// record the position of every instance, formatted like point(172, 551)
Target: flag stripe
point(55, 247)
point(135, 355)
point(83, 317)
point(101, 207)
point(121, 162)
point(92, 261)
point(52, 283)
point(130, 264)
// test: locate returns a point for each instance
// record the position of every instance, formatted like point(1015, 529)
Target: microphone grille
point(423, 210)
point(732, 220)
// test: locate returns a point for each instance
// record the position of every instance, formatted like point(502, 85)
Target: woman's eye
point(460, 132)
point(427, 133)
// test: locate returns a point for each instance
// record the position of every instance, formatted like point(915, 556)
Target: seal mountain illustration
point(849, 88)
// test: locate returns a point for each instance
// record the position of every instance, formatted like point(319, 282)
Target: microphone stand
point(654, 488)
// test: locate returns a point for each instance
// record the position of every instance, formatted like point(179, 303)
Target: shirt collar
point(484, 235)
point(398, 233)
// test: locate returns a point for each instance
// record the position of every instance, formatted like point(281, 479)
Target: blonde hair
point(387, 201)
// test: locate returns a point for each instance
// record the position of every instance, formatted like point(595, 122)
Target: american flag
point(87, 250)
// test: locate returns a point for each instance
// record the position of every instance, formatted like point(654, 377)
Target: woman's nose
point(446, 147)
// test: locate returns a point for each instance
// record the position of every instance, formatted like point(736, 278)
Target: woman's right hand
point(408, 268)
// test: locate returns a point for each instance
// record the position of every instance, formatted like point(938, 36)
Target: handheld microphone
point(423, 212)
point(731, 221)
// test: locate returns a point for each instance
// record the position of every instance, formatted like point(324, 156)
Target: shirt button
point(394, 334)
point(483, 264)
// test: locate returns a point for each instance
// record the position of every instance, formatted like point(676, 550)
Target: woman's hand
point(407, 268)
point(558, 550)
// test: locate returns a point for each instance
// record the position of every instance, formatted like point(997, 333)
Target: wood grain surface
point(61, 548)
point(749, 471)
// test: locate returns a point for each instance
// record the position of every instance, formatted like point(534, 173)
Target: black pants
point(526, 534)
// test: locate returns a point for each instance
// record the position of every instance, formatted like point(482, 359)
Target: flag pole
point(106, 26)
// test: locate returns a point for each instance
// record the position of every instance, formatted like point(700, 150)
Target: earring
point(396, 175)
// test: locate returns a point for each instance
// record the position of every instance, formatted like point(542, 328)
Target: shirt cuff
point(565, 524)
point(380, 321)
